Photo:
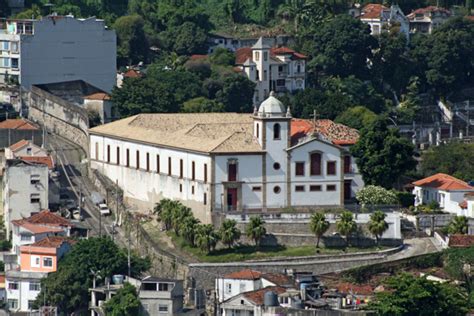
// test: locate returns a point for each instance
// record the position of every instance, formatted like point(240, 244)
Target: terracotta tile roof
point(98, 96)
point(470, 17)
point(428, 9)
point(20, 124)
point(2, 279)
point(258, 295)
point(372, 11)
point(48, 218)
point(442, 181)
point(201, 132)
point(198, 57)
point(22, 143)
point(244, 53)
point(337, 133)
point(278, 279)
point(348, 288)
point(46, 160)
point(36, 229)
point(461, 241)
point(246, 274)
point(132, 73)
point(52, 242)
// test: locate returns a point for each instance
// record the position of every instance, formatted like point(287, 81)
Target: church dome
point(271, 106)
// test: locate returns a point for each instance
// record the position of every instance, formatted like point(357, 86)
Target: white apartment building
point(56, 49)
point(25, 190)
point(381, 19)
point(278, 69)
point(228, 161)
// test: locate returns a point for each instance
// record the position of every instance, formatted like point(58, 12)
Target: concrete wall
point(59, 116)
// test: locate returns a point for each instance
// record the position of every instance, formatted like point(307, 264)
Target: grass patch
point(251, 252)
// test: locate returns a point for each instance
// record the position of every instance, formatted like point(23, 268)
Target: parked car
point(104, 210)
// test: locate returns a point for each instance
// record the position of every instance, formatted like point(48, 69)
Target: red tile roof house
point(448, 191)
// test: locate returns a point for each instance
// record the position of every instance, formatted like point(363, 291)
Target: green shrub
point(406, 199)
point(5, 245)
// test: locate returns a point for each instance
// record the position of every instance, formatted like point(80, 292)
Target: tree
point(318, 225)
point(458, 225)
point(341, 47)
point(356, 117)
point(292, 10)
point(376, 195)
point(187, 229)
point(377, 224)
point(410, 295)
point(451, 158)
point(255, 229)
point(206, 237)
point(223, 57)
point(125, 302)
point(68, 287)
point(346, 225)
point(229, 233)
point(236, 94)
point(179, 215)
point(186, 39)
point(202, 105)
point(132, 44)
point(94, 118)
point(165, 210)
point(382, 155)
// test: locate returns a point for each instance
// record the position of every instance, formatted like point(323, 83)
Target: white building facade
point(425, 20)
point(25, 190)
point(278, 69)
point(227, 161)
point(382, 19)
point(56, 49)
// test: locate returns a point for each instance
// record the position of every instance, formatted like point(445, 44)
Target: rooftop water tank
point(117, 279)
point(270, 299)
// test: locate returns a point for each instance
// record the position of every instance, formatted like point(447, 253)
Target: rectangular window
point(315, 169)
point(35, 261)
point(163, 287)
point(157, 163)
point(35, 286)
point(204, 199)
point(12, 303)
point(265, 76)
point(34, 198)
point(5, 62)
point(331, 168)
point(25, 237)
point(13, 285)
point(193, 171)
point(138, 159)
point(232, 172)
point(181, 169)
point(14, 47)
point(205, 173)
point(147, 161)
point(108, 153)
point(162, 309)
point(35, 179)
point(281, 82)
point(331, 187)
point(180, 188)
point(192, 189)
point(31, 303)
point(96, 151)
point(257, 189)
point(128, 157)
point(347, 164)
point(228, 288)
point(4, 45)
point(48, 262)
point(265, 56)
point(169, 166)
point(257, 56)
point(299, 188)
point(299, 169)
point(315, 188)
point(118, 155)
point(15, 63)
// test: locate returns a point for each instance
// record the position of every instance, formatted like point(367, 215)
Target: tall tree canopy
point(382, 155)
point(132, 44)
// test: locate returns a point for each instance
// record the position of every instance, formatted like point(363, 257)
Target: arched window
point(315, 169)
point(258, 130)
point(276, 131)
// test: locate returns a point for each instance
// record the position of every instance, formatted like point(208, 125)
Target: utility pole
point(100, 223)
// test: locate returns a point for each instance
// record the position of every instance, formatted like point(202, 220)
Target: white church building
point(228, 161)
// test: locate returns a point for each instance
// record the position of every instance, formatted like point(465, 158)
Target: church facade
point(225, 162)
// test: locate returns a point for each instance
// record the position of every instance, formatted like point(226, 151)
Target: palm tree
point(229, 233)
point(165, 210)
point(346, 225)
point(318, 225)
point(206, 237)
point(377, 224)
point(178, 217)
point(255, 229)
point(188, 228)
point(458, 225)
point(291, 10)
